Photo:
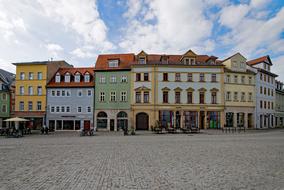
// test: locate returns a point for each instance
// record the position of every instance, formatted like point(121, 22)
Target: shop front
point(214, 119)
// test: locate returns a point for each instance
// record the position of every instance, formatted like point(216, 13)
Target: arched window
point(87, 77)
point(77, 77)
point(67, 77)
point(57, 77)
point(102, 114)
point(122, 114)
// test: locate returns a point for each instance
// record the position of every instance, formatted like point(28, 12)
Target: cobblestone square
point(210, 160)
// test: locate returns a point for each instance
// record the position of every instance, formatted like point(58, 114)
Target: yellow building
point(239, 85)
point(30, 96)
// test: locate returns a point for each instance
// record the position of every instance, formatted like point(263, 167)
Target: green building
point(6, 83)
point(112, 91)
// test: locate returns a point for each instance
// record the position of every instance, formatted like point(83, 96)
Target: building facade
point(70, 99)
point(6, 95)
point(239, 84)
point(265, 92)
point(279, 107)
point(177, 90)
point(30, 89)
point(112, 91)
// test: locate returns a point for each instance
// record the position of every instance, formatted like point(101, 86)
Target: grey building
point(70, 99)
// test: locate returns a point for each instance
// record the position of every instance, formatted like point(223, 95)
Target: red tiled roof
point(125, 61)
point(72, 83)
point(259, 60)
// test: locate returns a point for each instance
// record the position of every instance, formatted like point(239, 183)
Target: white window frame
point(22, 76)
point(80, 92)
point(67, 77)
point(37, 105)
point(113, 79)
point(22, 106)
point(22, 90)
point(87, 77)
point(123, 94)
point(52, 108)
point(31, 90)
point(102, 94)
point(124, 79)
point(113, 63)
point(31, 76)
point(89, 109)
point(39, 75)
point(112, 94)
point(89, 95)
point(39, 90)
point(79, 107)
point(53, 93)
point(57, 78)
point(77, 77)
point(102, 79)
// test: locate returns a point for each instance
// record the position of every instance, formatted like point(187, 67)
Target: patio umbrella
point(16, 120)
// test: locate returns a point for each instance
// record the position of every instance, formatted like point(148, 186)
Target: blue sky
point(77, 31)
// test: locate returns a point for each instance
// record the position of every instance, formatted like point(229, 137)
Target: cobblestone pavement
point(210, 160)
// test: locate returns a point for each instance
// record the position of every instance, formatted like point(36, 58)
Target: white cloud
point(174, 26)
point(232, 15)
point(82, 53)
point(80, 16)
point(278, 67)
point(259, 3)
point(54, 49)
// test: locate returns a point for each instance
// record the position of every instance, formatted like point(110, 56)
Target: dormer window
point(67, 77)
point(186, 61)
point(77, 77)
point(142, 60)
point(87, 77)
point(192, 61)
point(113, 63)
point(57, 77)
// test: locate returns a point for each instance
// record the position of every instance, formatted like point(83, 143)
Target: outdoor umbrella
point(16, 120)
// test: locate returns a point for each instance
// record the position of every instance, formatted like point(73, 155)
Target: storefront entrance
point(191, 119)
point(230, 119)
point(101, 120)
point(214, 119)
point(122, 121)
point(142, 121)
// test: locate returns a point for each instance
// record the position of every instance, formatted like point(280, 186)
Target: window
point(138, 97)
point(30, 106)
point(236, 78)
point(57, 109)
point(189, 97)
point(146, 97)
point(22, 106)
point(146, 77)
point(264, 104)
point(138, 77)
point(53, 93)
point(113, 63)
point(264, 76)
point(243, 79)
point(265, 90)
point(189, 77)
point(63, 93)
point(142, 60)
point(102, 96)
point(87, 77)
point(214, 97)
point(201, 97)
point(68, 109)
point(22, 76)
point(260, 103)
point(177, 97)
point(165, 96)
point(268, 91)
point(52, 109)
point(39, 75)
point(31, 90)
point(268, 79)
point(112, 96)
point(67, 77)
point(39, 106)
point(77, 77)
point(4, 108)
point(58, 92)
point(250, 80)
point(213, 77)
point(271, 105)
point(79, 109)
point(79, 93)
point(177, 77)
point(123, 96)
point(39, 90)
point(228, 96)
point(22, 90)
point(236, 96)
point(192, 61)
point(57, 77)
point(31, 75)
point(113, 79)
point(89, 92)
point(62, 109)
point(243, 97)
point(102, 79)
point(228, 78)
point(261, 90)
point(186, 61)
point(165, 76)
point(260, 76)
point(124, 79)
point(68, 93)
point(272, 92)
point(250, 97)
point(89, 110)
point(268, 105)
point(4, 96)
point(201, 77)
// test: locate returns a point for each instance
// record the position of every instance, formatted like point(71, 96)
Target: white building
point(265, 92)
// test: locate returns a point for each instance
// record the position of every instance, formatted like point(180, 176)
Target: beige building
point(239, 85)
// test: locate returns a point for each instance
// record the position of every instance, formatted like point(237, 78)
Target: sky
point(78, 30)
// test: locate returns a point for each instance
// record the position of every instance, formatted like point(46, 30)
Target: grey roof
point(7, 77)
